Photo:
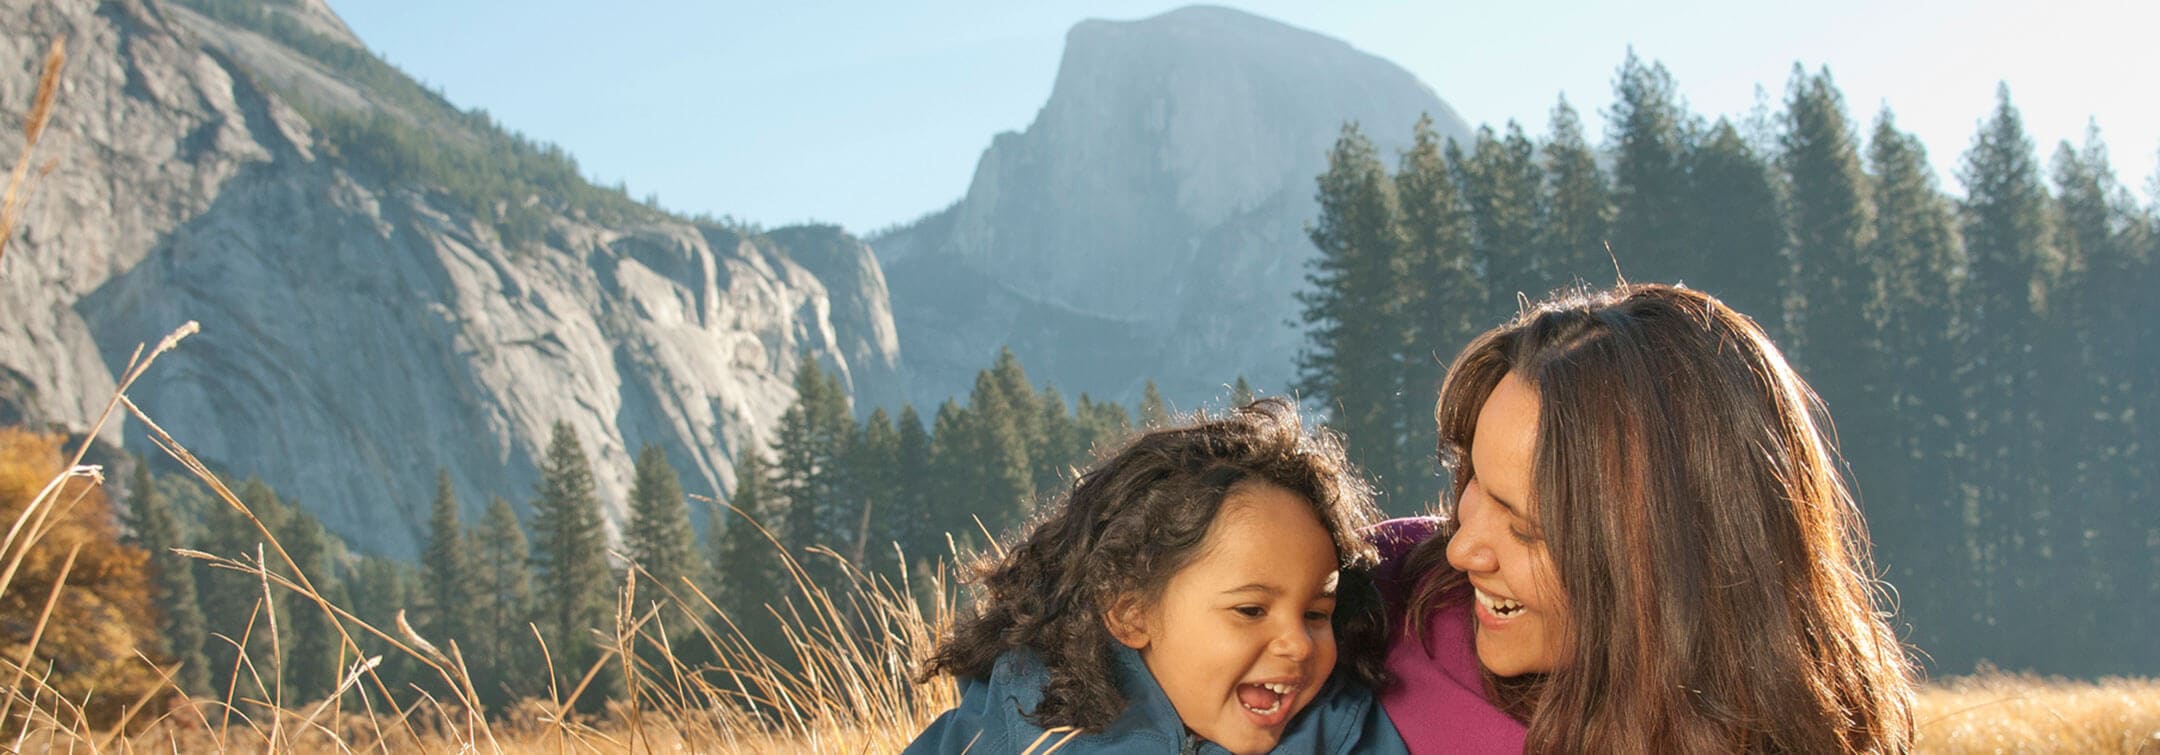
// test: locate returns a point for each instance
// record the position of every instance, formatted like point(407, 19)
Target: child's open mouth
point(1268, 703)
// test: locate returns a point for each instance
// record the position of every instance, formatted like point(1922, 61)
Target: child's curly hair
point(1130, 523)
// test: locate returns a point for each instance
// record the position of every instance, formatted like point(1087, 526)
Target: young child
point(1198, 591)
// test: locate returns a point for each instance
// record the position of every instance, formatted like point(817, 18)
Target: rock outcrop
point(1151, 221)
point(360, 331)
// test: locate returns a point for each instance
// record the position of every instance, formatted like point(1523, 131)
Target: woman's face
point(1522, 620)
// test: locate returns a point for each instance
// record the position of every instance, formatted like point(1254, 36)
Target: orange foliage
point(103, 616)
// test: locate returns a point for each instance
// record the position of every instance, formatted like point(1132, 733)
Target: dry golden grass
point(2000, 712)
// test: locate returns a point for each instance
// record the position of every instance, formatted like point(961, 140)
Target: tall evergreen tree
point(1647, 129)
point(745, 575)
point(1241, 393)
point(569, 555)
point(873, 461)
point(444, 568)
point(997, 452)
point(1103, 425)
point(502, 607)
point(1440, 293)
point(1020, 401)
point(1353, 311)
point(1739, 226)
point(313, 650)
point(813, 433)
point(180, 617)
point(230, 598)
point(380, 588)
point(2005, 226)
point(956, 476)
point(1154, 412)
point(2096, 376)
point(1830, 227)
point(1062, 446)
point(662, 542)
point(1575, 225)
point(1502, 186)
point(1915, 243)
point(920, 535)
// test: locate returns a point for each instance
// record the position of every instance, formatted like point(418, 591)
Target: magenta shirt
point(1438, 699)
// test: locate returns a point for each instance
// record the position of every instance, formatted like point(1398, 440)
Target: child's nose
point(1294, 643)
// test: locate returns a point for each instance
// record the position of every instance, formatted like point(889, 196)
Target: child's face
point(1241, 639)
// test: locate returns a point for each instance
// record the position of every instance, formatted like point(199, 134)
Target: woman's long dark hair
point(1130, 523)
point(1715, 568)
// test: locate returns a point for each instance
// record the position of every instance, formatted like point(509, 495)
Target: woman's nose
point(1469, 549)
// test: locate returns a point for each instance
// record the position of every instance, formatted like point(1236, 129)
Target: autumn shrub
point(75, 621)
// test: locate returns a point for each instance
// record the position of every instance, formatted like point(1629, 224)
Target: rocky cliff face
point(360, 332)
point(1151, 221)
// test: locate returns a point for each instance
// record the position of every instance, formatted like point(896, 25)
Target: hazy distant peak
point(317, 17)
point(1224, 25)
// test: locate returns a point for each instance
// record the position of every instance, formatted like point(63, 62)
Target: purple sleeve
point(1394, 539)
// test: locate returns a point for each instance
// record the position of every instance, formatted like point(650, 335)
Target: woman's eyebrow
point(1504, 503)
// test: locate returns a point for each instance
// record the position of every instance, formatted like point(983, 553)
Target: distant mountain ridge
point(386, 285)
point(389, 284)
point(1150, 222)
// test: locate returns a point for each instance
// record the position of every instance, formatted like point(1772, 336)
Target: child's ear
point(1127, 622)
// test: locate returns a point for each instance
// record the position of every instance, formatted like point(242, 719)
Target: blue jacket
point(993, 718)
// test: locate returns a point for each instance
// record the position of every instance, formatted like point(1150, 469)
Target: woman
point(1646, 542)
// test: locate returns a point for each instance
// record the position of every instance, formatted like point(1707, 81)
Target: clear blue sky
point(868, 114)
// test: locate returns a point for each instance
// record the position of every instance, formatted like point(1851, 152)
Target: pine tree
point(997, 447)
point(873, 460)
point(1916, 245)
point(2005, 227)
point(1575, 225)
point(1502, 186)
point(1241, 393)
point(1154, 412)
point(230, 599)
point(662, 542)
point(1439, 292)
point(1063, 447)
point(745, 574)
point(380, 588)
point(920, 536)
point(444, 569)
point(570, 570)
point(1353, 312)
point(1651, 223)
point(312, 646)
point(180, 618)
point(1103, 425)
point(1835, 344)
point(502, 606)
point(2096, 376)
point(1739, 226)
point(808, 474)
point(1018, 396)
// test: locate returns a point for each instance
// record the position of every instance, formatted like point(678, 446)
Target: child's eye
point(1319, 615)
point(1250, 612)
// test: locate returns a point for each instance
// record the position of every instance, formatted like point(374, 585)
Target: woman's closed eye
point(1251, 611)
